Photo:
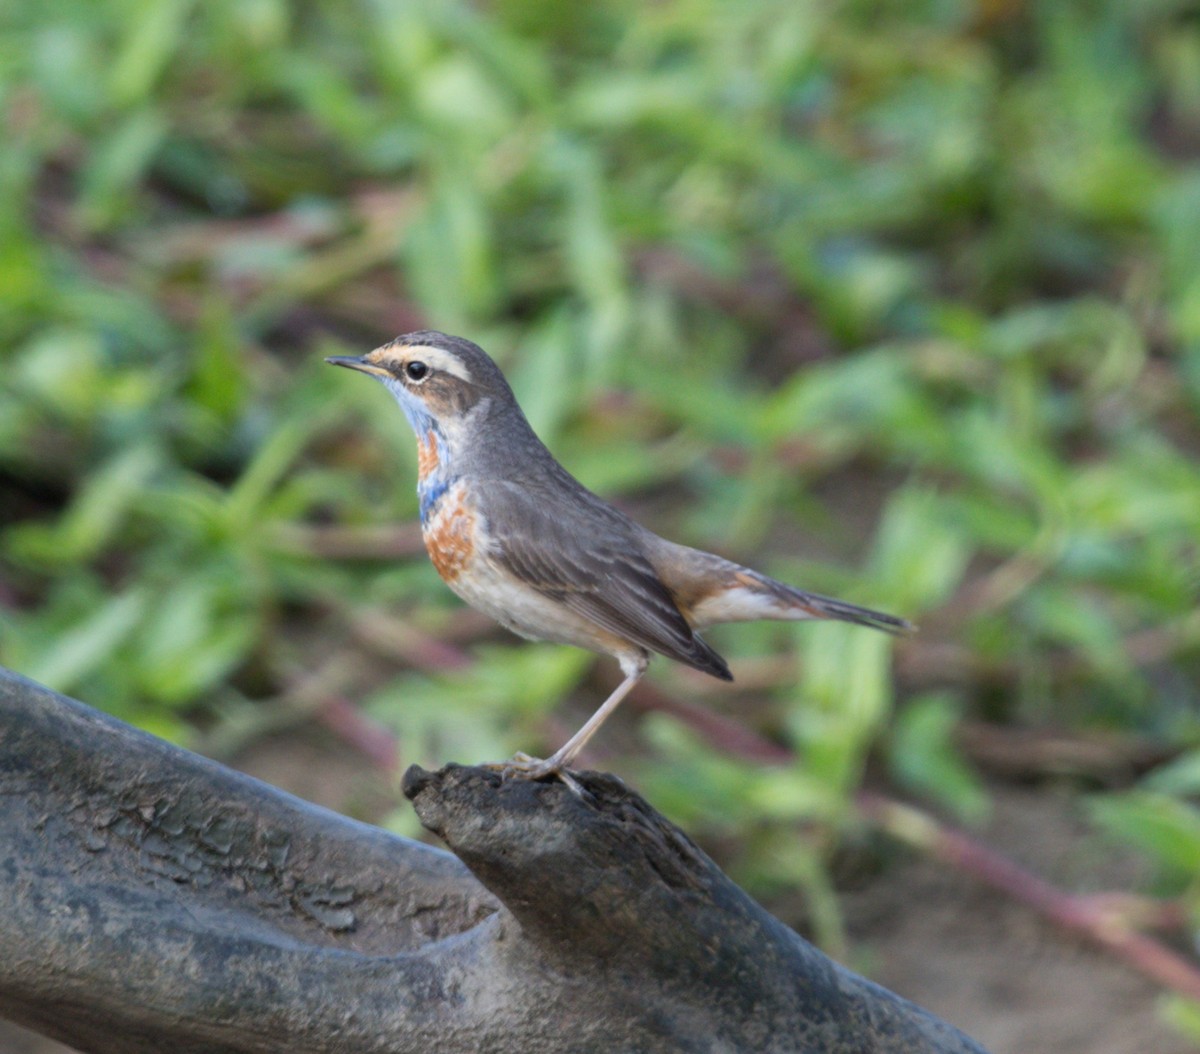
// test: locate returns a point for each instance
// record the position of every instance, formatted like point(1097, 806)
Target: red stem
point(1100, 918)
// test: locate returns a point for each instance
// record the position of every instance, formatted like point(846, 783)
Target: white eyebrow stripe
point(437, 359)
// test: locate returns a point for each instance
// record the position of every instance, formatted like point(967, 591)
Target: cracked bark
point(153, 900)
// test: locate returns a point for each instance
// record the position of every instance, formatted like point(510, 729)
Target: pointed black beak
point(351, 362)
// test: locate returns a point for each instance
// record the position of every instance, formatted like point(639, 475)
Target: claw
point(523, 767)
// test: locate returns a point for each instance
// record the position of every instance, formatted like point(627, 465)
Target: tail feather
point(709, 590)
point(818, 606)
point(750, 596)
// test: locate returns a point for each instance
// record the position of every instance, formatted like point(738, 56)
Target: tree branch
point(153, 900)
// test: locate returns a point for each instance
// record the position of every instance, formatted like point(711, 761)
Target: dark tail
point(829, 607)
point(796, 603)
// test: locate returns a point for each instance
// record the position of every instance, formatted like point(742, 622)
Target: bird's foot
point(523, 767)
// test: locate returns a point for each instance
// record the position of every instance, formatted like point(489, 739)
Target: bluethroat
point(519, 538)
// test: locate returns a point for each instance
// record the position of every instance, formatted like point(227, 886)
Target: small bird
point(520, 539)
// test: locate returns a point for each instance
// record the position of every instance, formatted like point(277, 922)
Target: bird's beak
point(353, 363)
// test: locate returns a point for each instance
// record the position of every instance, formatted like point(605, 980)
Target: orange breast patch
point(427, 455)
point(450, 536)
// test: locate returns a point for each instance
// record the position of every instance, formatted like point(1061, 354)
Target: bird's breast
point(451, 528)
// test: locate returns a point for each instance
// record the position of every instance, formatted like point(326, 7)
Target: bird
point(519, 538)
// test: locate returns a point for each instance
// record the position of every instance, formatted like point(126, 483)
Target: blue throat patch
point(413, 408)
point(431, 491)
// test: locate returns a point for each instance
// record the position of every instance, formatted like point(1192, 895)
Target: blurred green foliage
point(897, 301)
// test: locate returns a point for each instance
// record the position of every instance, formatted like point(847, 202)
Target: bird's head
point(438, 380)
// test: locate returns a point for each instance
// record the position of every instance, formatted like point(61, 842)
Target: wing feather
point(590, 559)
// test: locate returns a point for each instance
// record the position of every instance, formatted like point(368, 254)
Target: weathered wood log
point(152, 900)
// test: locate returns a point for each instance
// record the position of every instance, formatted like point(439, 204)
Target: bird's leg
point(634, 667)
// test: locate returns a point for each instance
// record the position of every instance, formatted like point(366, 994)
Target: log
point(152, 900)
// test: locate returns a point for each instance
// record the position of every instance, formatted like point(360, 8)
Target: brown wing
point(589, 558)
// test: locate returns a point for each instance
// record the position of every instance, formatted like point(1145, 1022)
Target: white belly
point(492, 590)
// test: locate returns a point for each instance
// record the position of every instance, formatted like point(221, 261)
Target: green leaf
point(110, 178)
point(155, 33)
point(94, 519)
point(1179, 777)
point(924, 758)
point(920, 554)
point(77, 652)
point(1183, 1014)
point(1166, 829)
point(201, 627)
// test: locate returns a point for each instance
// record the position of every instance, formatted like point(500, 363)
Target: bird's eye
point(416, 370)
